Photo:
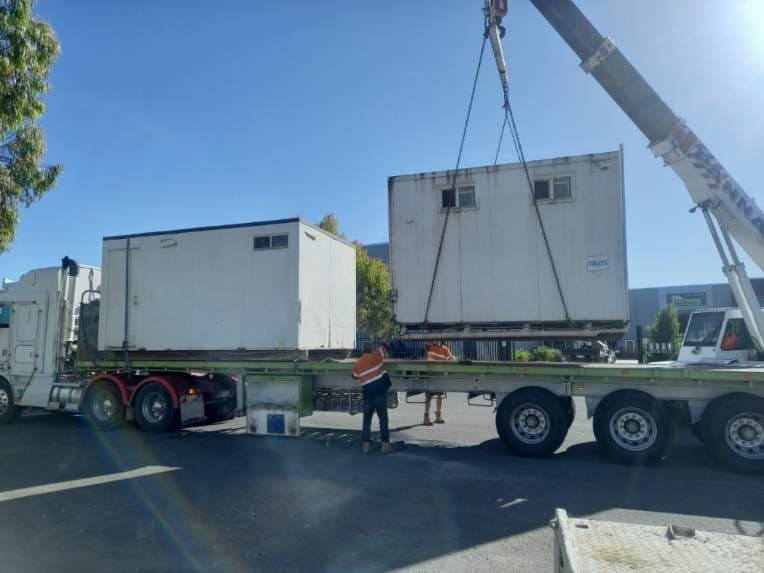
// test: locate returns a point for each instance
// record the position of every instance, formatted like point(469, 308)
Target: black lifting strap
point(509, 120)
point(452, 182)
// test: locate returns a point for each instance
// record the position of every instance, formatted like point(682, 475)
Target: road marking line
point(516, 501)
point(85, 482)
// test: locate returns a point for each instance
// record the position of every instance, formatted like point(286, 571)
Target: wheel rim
point(154, 407)
point(4, 401)
point(745, 435)
point(633, 429)
point(530, 423)
point(104, 406)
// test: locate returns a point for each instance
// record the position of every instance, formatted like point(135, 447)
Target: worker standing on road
point(369, 369)
point(436, 351)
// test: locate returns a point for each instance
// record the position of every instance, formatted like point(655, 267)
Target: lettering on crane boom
point(717, 178)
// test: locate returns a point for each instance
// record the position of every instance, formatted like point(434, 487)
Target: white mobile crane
point(729, 212)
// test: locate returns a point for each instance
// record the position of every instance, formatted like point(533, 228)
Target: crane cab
point(717, 335)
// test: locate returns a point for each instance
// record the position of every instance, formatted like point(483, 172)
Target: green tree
point(374, 303)
point(330, 224)
point(665, 330)
point(374, 306)
point(28, 48)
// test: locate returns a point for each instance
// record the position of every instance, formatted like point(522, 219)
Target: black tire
point(733, 427)
point(154, 411)
point(532, 422)
point(698, 430)
point(570, 408)
point(633, 428)
point(8, 410)
point(103, 406)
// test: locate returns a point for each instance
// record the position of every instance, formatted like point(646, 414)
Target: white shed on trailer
point(494, 275)
point(271, 285)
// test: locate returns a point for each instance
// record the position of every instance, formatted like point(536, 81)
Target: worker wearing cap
point(369, 370)
point(436, 351)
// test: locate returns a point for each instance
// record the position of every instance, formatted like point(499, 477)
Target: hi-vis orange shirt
point(438, 351)
point(370, 367)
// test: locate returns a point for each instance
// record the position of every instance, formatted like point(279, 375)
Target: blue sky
point(187, 113)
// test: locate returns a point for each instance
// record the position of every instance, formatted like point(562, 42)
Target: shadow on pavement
point(244, 503)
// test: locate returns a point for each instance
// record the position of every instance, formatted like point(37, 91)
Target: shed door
point(25, 323)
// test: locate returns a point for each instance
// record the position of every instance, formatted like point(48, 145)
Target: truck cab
point(38, 329)
point(717, 335)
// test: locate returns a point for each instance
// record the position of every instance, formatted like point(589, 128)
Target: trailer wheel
point(733, 428)
point(8, 410)
point(532, 422)
point(154, 411)
point(103, 406)
point(633, 428)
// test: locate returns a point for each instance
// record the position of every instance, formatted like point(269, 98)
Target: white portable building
point(494, 273)
point(271, 285)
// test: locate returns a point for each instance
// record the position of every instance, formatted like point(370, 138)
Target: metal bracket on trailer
point(489, 397)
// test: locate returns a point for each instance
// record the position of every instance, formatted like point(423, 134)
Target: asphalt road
point(450, 498)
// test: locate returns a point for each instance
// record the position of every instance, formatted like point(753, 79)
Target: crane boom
point(723, 201)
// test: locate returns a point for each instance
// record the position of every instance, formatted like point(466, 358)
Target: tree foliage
point(374, 306)
point(28, 48)
point(330, 224)
point(666, 329)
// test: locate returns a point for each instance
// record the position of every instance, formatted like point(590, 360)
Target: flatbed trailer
point(631, 405)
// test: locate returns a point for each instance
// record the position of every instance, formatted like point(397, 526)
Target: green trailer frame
point(534, 408)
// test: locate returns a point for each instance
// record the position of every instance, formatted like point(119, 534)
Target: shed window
point(541, 189)
point(462, 198)
point(562, 187)
point(5, 315)
point(553, 188)
point(466, 196)
point(263, 242)
point(280, 241)
point(448, 198)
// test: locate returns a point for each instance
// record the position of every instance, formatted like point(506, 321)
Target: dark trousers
point(375, 403)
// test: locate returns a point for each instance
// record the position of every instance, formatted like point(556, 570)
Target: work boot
point(365, 447)
point(386, 448)
point(438, 419)
point(427, 421)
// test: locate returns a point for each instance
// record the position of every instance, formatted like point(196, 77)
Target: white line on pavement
point(85, 482)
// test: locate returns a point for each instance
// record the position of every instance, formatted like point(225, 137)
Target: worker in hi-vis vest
point(369, 370)
point(436, 351)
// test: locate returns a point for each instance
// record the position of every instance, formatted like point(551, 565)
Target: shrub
point(545, 354)
point(522, 356)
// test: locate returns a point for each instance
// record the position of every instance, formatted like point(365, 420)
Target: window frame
point(456, 192)
point(270, 237)
point(551, 180)
point(280, 235)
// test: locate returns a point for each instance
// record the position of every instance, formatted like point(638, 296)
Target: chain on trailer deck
point(589, 546)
